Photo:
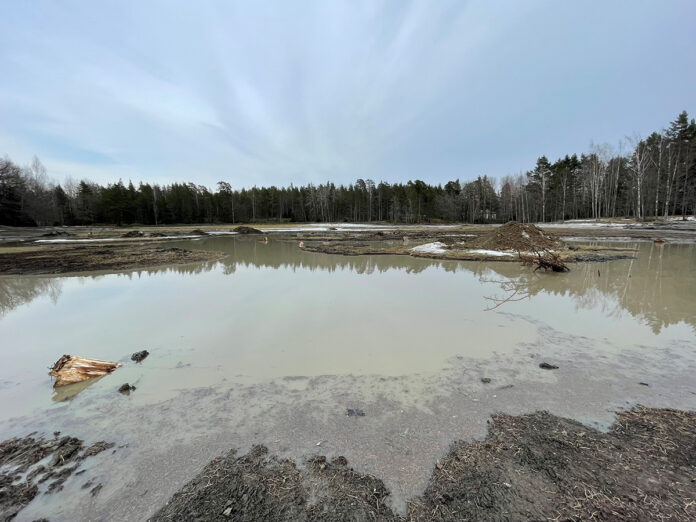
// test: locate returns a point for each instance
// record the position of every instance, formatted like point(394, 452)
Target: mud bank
point(530, 467)
point(57, 259)
point(32, 466)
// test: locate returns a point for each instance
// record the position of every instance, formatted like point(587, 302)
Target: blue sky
point(259, 93)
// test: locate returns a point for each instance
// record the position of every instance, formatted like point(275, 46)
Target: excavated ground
point(530, 467)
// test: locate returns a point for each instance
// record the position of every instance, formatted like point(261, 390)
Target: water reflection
point(16, 291)
point(656, 287)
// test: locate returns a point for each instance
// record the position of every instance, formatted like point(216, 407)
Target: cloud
point(273, 93)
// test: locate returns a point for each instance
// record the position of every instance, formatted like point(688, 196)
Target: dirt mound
point(531, 467)
point(523, 237)
point(247, 230)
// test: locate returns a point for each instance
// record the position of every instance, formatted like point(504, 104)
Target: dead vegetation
point(545, 260)
point(530, 467)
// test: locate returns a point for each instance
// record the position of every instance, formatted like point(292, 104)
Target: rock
point(547, 366)
point(227, 512)
point(198, 232)
point(485, 380)
point(247, 230)
point(139, 356)
point(355, 412)
point(126, 389)
point(133, 233)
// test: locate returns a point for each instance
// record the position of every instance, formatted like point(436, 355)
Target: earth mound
point(522, 237)
point(247, 230)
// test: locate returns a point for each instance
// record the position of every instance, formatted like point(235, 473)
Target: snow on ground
point(584, 223)
point(495, 253)
point(430, 248)
point(352, 227)
point(104, 239)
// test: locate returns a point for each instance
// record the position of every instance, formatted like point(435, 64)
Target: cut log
point(70, 369)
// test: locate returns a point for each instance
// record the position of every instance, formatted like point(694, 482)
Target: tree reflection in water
point(656, 287)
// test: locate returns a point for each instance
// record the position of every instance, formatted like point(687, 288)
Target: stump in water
point(70, 369)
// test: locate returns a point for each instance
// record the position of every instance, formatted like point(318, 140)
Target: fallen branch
point(545, 259)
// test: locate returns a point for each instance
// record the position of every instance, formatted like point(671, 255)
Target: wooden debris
point(545, 259)
point(70, 369)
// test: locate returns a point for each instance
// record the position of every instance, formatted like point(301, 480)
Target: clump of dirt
point(126, 389)
point(247, 230)
point(542, 467)
point(139, 356)
point(530, 467)
point(257, 486)
point(521, 237)
point(133, 233)
point(27, 463)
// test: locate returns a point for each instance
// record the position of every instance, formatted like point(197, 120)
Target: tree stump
point(70, 369)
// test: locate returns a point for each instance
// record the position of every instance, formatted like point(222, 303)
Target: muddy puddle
point(273, 346)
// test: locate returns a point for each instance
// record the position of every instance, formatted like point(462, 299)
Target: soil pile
point(531, 467)
point(247, 230)
point(29, 465)
point(523, 237)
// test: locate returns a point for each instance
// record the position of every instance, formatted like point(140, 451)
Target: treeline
point(655, 177)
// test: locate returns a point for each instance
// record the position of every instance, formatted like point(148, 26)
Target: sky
point(273, 93)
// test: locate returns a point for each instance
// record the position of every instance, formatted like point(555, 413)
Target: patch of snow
point(352, 227)
point(222, 233)
point(106, 239)
point(583, 223)
point(430, 248)
point(495, 253)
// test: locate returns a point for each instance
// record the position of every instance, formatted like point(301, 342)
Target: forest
point(654, 177)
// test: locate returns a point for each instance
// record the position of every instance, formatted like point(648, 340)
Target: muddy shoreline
point(73, 258)
point(529, 467)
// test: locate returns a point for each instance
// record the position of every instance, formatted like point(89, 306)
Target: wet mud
point(530, 467)
point(30, 466)
point(56, 259)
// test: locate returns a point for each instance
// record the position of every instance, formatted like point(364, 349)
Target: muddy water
point(272, 344)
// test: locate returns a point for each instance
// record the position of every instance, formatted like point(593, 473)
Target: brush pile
point(534, 246)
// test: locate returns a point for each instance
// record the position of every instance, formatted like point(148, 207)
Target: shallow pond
point(272, 344)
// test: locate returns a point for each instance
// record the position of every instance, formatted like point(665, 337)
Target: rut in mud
point(534, 467)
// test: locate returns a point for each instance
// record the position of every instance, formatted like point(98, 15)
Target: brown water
point(272, 344)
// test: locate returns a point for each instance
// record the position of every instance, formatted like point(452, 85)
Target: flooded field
point(273, 344)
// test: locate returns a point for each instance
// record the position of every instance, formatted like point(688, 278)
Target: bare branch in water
point(516, 291)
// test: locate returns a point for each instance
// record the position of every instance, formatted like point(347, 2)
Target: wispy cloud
point(261, 93)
